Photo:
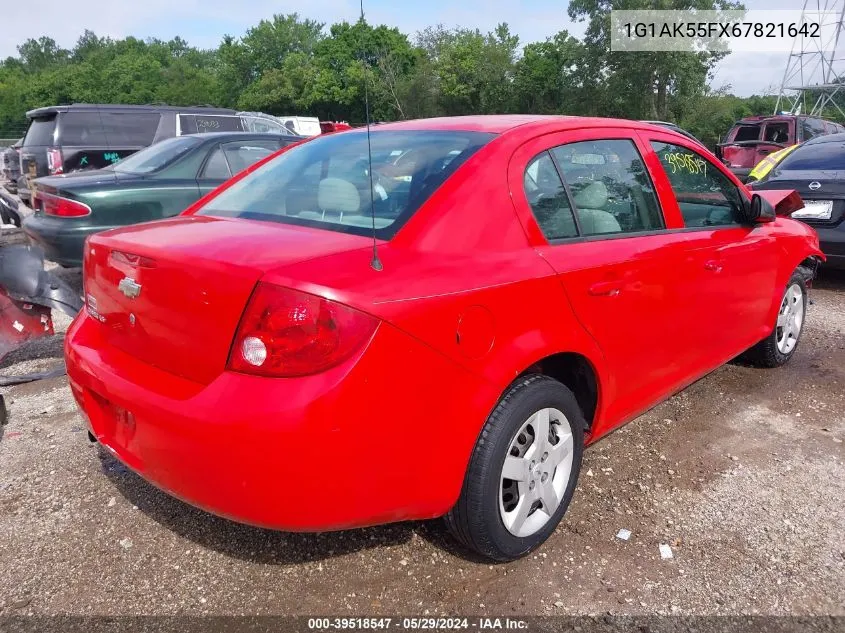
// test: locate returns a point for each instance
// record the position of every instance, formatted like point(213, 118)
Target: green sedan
point(157, 182)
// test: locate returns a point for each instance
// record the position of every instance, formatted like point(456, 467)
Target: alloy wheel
point(536, 472)
point(790, 319)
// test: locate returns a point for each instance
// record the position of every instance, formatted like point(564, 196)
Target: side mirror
point(760, 210)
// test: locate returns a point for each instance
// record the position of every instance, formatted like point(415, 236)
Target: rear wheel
point(523, 470)
point(777, 348)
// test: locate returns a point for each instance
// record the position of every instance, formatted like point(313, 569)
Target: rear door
point(626, 274)
point(736, 264)
point(227, 159)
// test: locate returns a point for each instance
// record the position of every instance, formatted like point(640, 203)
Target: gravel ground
point(742, 475)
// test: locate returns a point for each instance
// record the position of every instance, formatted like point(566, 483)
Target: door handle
point(605, 289)
point(715, 266)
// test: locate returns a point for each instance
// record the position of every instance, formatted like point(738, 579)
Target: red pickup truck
point(751, 139)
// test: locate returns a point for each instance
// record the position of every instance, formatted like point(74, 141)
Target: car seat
point(590, 200)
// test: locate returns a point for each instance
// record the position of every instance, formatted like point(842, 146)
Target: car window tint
point(705, 195)
point(242, 154)
point(216, 167)
point(777, 132)
point(610, 186)
point(547, 196)
point(108, 129)
point(747, 133)
point(40, 132)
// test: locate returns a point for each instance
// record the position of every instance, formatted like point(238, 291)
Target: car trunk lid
point(171, 293)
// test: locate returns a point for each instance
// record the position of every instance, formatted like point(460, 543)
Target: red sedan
point(435, 324)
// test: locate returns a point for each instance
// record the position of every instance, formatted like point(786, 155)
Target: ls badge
point(129, 287)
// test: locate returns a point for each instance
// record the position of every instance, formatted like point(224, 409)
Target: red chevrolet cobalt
point(433, 324)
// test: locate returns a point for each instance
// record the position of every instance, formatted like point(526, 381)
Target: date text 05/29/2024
point(416, 624)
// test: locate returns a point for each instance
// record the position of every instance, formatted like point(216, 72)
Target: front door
point(739, 261)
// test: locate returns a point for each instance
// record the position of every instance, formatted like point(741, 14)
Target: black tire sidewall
point(524, 401)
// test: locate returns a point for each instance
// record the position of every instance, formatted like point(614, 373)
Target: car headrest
point(591, 196)
point(338, 195)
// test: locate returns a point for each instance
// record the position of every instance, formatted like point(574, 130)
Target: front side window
point(548, 200)
point(705, 195)
point(326, 182)
point(610, 186)
point(777, 132)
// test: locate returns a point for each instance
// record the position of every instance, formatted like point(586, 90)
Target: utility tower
point(815, 68)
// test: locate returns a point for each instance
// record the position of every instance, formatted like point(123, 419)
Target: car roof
point(94, 107)
point(505, 123)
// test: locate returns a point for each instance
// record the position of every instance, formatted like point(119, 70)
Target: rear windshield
point(325, 182)
point(107, 129)
point(747, 133)
point(200, 123)
point(157, 156)
point(40, 132)
point(818, 156)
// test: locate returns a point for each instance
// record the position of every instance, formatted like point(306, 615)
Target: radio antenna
point(375, 263)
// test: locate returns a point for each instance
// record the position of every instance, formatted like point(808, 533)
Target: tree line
point(292, 65)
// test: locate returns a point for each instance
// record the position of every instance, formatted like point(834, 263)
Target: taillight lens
point(55, 163)
point(285, 332)
point(63, 207)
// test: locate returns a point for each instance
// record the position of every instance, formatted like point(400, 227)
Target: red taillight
point(62, 207)
point(285, 332)
point(55, 163)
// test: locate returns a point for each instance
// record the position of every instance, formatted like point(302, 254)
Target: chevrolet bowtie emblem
point(129, 287)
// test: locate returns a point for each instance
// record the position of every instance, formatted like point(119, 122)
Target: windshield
point(818, 156)
point(325, 183)
point(157, 156)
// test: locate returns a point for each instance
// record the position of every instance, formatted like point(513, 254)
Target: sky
point(204, 22)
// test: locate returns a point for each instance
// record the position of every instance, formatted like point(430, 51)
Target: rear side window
point(812, 128)
point(815, 157)
point(747, 133)
point(40, 132)
point(326, 183)
point(108, 129)
point(201, 123)
point(548, 199)
point(705, 195)
point(610, 187)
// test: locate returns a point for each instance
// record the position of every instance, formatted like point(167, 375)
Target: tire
point(490, 515)
point(772, 350)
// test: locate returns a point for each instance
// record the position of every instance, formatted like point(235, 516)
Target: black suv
point(67, 138)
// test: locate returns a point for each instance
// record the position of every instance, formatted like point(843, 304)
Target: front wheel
point(522, 472)
point(777, 348)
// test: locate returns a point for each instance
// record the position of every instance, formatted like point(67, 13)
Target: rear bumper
point(62, 239)
point(365, 443)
